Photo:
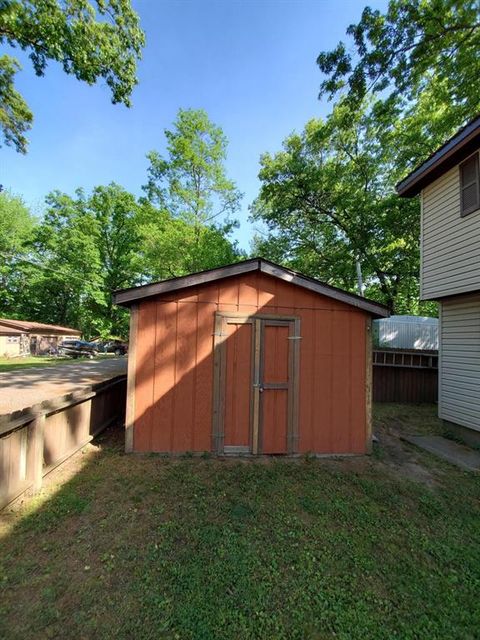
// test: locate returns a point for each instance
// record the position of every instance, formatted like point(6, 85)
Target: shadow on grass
point(151, 547)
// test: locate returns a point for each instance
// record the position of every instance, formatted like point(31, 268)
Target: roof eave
point(128, 297)
point(441, 161)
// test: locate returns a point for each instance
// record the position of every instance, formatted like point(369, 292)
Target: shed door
point(275, 387)
point(238, 384)
point(255, 408)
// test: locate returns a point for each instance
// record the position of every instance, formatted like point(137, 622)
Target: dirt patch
point(400, 456)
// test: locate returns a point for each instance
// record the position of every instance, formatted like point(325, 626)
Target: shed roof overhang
point(127, 297)
point(451, 153)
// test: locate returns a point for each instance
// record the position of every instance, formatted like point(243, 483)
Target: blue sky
point(249, 64)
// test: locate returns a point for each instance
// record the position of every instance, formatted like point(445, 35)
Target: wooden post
point(368, 384)
point(256, 386)
point(130, 408)
point(38, 429)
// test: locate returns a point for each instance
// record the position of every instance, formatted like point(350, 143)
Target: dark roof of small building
point(127, 297)
point(25, 326)
point(451, 153)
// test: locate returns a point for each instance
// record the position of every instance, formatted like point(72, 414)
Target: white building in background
point(406, 332)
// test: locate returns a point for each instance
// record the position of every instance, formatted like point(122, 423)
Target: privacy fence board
point(36, 440)
point(405, 376)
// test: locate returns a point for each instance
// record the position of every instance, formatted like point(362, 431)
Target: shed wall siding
point(174, 364)
point(459, 381)
point(450, 244)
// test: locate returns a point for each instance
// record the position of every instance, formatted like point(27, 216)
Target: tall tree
point(401, 90)
point(172, 246)
point(88, 245)
point(63, 282)
point(420, 60)
point(91, 39)
point(84, 248)
point(16, 228)
point(328, 203)
point(191, 184)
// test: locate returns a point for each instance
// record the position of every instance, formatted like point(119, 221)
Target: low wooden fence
point(405, 376)
point(36, 440)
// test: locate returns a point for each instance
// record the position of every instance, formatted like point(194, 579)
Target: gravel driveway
point(28, 387)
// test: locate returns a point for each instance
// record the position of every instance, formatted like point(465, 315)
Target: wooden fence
point(405, 376)
point(36, 440)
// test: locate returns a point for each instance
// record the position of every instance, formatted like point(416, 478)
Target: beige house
point(13, 342)
point(20, 337)
point(449, 187)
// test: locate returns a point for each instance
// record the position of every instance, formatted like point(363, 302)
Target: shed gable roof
point(451, 153)
point(127, 297)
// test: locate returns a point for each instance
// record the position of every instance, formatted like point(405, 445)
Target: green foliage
point(329, 198)
point(15, 116)
point(16, 228)
point(65, 269)
point(172, 246)
point(83, 249)
point(419, 59)
point(245, 550)
point(191, 185)
point(92, 40)
point(416, 45)
point(328, 202)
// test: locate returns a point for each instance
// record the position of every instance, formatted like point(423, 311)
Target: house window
point(13, 339)
point(469, 185)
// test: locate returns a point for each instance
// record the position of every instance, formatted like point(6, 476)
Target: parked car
point(78, 348)
point(117, 347)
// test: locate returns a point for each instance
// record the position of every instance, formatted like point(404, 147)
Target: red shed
point(251, 358)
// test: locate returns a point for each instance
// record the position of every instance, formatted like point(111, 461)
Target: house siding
point(459, 383)
point(450, 244)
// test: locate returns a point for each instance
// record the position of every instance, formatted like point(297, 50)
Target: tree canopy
point(328, 205)
point(328, 198)
point(418, 61)
point(16, 229)
point(191, 184)
point(64, 267)
point(91, 39)
point(414, 45)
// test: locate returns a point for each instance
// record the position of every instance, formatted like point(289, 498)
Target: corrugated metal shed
point(406, 332)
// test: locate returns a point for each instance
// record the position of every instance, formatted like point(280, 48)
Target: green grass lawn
point(146, 547)
point(13, 364)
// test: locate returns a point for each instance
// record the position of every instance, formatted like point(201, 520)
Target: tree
point(88, 245)
point(91, 39)
point(327, 201)
point(420, 61)
point(84, 248)
point(414, 45)
point(16, 228)
point(191, 185)
point(63, 283)
point(172, 246)
point(116, 214)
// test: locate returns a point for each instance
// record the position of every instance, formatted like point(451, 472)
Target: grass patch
point(14, 364)
point(418, 419)
point(201, 549)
